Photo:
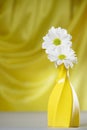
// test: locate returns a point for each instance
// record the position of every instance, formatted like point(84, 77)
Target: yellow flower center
point(61, 57)
point(56, 41)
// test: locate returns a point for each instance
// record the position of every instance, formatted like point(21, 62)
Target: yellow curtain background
point(26, 75)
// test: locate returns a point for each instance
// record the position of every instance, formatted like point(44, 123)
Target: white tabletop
point(30, 120)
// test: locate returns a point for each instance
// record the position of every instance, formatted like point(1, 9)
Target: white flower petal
point(60, 51)
point(52, 58)
point(59, 62)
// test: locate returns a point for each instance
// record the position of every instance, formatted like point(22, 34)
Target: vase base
point(62, 126)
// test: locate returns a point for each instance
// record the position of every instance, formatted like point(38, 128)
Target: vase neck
point(62, 72)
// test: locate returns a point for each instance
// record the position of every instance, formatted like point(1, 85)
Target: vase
point(63, 105)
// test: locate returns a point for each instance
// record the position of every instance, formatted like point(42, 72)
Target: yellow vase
point(63, 106)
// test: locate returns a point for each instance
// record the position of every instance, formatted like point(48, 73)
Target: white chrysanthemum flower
point(62, 55)
point(55, 38)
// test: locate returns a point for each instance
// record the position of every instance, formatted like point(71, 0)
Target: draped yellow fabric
point(27, 77)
